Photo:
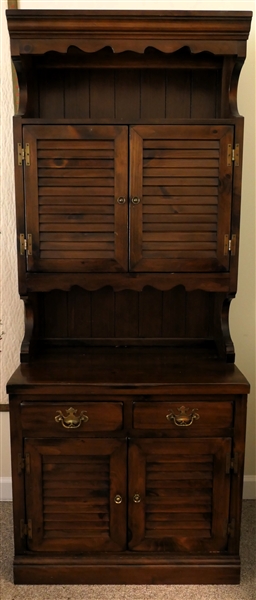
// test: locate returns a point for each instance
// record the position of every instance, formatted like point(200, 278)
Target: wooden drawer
point(183, 415)
point(58, 419)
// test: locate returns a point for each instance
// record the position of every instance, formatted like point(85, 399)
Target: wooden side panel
point(180, 489)
point(184, 184)
point(72, 186)
point(70, 495)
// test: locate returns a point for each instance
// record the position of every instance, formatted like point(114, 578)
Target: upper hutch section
point(135, 142)
point(178, 64)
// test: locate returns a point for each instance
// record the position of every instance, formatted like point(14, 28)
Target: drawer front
point(58, 419)
point(183, 416)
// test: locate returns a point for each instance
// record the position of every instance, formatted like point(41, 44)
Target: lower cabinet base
point(80, 570)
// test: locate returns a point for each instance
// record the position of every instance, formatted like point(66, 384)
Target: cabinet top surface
point(124, 368)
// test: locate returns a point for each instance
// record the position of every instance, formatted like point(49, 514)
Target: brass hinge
point(232, 463)
point(26, 244)
point(26, 529)
point(233, 155)
point(229, 245)
point(231, 528)
point(24, 154)
point(24, 463)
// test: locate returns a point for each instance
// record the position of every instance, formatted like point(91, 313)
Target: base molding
point(187, 570)
point(5, 489)
point(249, 491)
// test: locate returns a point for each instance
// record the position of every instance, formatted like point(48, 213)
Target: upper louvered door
point(76, 175)
point(70, 493)
point(181, 175)
point(184, 492)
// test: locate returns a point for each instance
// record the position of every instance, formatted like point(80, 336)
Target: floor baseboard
point(5, 489)
point(249, 492)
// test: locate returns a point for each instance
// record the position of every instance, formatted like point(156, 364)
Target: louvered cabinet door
point(179, 495)
point(72, 186)
point(70, 494)
point(183, 179)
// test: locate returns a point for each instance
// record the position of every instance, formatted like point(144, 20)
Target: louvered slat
point(76, 483)
point(165, 486)
point(179, 494)
point(81, 182)
point(80, 172)
point(70, 494)
point(166, 179)
point(184, 205)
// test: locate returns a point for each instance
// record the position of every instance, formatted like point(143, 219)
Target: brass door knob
point(136, 498)
point(118, 499)
point(121, 200)
point(135, 200)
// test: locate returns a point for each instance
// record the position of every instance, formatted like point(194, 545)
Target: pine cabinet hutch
point(127, 410)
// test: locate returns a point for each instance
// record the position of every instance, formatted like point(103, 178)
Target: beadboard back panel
point(105, 314)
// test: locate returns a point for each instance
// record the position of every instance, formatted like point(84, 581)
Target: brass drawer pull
point(71, 420)
point(136, 498)
point(121, 200)
point(183, 419)
point(135, 200)
point(118, 499)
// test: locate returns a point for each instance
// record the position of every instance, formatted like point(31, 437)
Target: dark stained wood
point(90, 218)
point(102, 86)
point(158, 477)
point(178, 94)
point(150, 310)
point(182, 235)
point(127, 314)
point(49, 488)
point(51, 100)
point(204, 94)
point(131, 198)
point(77, 94)
point(103, 321)
point(56, 324)
point(153, 94)
point(79, 313)
point(4, 407)
point(180, 369)
point(102, 416)
point(213, 416)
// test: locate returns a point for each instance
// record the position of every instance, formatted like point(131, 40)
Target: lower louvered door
point(183, 179)
point(178, 495)
point(75, 177)
point(70, 495)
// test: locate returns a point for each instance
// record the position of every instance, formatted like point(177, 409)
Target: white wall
point(11, 307)
point(243, 307)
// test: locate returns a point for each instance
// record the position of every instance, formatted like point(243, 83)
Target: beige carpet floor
point(245, 591)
